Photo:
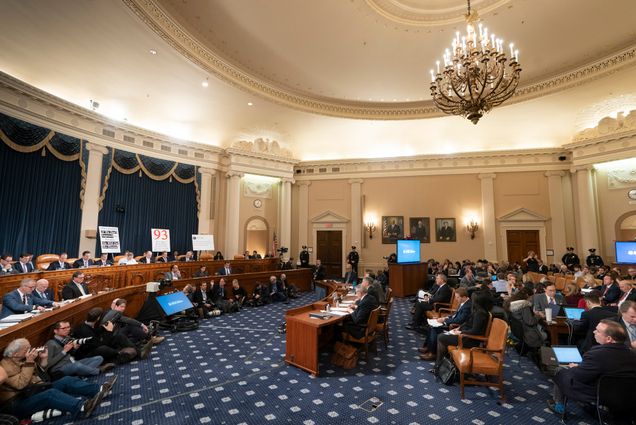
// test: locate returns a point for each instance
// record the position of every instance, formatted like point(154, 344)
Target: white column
point(232, 207)
point(489, 224)
point(90, 210)
point(587, 227)
point(557, 213)
point(285, 213)
point(303, 212)
point(356, 212)
point(206, 201)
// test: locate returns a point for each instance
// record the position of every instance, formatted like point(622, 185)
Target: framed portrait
point(420, 228)
point(445, 230)
point(392, 228)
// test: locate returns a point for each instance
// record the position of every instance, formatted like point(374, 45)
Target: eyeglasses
point(64, 327)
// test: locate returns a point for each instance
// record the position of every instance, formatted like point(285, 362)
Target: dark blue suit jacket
point(351, 277)
point(80, 263)
point(221, 271)
point(18, 267)
point(460, 315)
point(49, 295)
point(12, 304)
point(55, 265)
point(612, 295)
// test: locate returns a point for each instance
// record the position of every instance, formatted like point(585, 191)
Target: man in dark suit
point(163, 258)
point(225, 270)
point(628, 293)
point(21, 301)
point(6, 266)
point(428, 352)
point(103, 261)
point(611, 356)
point(76, 287)
point(590, 318)
point(276, 290)
point(610, 292)
point(547, 300)
point(24, 265)
point(446, 232)
point(60, 264)
point(42, 290)
point(627, 319)
point(202, 299)
point(147, 258)
point(85, 261)
point(356, 327)
point(440, 293)
point(319, 271)
point(189, 256)
point(350, 277)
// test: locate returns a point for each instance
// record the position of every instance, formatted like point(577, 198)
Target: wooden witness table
point(306, 335)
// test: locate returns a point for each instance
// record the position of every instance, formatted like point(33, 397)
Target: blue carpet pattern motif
point(232, 371)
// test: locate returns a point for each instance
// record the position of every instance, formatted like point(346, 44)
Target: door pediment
point(329, 217)
point(522, 214)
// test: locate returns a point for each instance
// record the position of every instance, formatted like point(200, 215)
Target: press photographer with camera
point(61, 350)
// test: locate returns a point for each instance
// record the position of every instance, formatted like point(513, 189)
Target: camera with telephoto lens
point(282, 250)
point(79, 341)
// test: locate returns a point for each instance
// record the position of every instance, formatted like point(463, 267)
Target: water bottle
point(328, 307)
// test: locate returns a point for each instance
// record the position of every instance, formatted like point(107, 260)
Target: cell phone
point(40, 349)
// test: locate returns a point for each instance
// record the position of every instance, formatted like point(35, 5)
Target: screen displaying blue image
point(174, 303)
point(626, 252)
point(408, 251)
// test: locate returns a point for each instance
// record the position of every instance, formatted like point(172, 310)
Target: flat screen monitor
point(408, 251)
point(174, 303)
point(626, 252)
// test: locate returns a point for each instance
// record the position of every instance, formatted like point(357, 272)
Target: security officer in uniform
point(304, 257)
point(593, 259)
point(353, 258)
point(570, 259)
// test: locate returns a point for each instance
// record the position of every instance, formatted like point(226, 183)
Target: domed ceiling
point(327, 79)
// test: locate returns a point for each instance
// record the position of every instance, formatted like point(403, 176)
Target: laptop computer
point(573, 313)
point(500, 286)
point(566, 354)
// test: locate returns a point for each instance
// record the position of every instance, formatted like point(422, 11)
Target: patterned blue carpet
point(231, 371)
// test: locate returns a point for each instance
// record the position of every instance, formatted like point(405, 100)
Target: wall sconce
point(472, 228)
point(370, 227)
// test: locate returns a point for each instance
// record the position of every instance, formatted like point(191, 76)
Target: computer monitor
point(573, 313)
point(174, 303)
point(626, 252)
point(408, 251)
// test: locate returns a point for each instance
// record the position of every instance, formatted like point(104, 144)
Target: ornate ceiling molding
point(152, 15)
point(425, 14)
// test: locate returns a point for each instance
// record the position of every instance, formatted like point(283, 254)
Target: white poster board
point(202, 242)
point(160, 239)
point(109, 239)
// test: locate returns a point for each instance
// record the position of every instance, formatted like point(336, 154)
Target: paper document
point(14, 318)
point(85, 296)
point(339, 309)
point(433, 323)
point(339, 313)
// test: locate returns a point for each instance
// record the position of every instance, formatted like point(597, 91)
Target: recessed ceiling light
point(205, 83)
point(153, 52)
point(250, 104)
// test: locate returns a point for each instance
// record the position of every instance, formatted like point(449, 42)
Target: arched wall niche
point(257, 235)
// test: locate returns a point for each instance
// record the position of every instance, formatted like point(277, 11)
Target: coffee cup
point(548, 315)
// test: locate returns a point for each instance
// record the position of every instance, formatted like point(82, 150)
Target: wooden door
point(520, 242)
point(329, 251)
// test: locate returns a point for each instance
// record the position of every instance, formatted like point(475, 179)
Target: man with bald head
point(42, 290)
point(22, 301)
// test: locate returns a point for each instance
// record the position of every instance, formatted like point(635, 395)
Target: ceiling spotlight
point(249, 104)
point(153, 51)
point(205, 83)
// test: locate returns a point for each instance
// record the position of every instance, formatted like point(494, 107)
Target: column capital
point(90, 146)
point(232, 174)
point(305, 183)
point(287, 180)
point(555, 173)
point(206, 171)
point(355, 181)
point(578, 168)
point(487, 176)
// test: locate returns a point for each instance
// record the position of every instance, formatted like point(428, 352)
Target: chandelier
point(476, 75)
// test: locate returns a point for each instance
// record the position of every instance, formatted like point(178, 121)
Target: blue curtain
point(40, 203)
point(137, 204)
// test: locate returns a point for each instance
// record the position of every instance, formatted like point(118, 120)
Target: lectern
point(406, 279)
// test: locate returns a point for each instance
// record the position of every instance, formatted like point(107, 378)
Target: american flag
point(274, 244)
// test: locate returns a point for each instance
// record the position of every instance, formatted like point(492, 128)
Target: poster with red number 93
point(160, 239)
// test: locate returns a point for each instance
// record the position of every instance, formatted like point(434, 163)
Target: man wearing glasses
point(76, 287)
point(21, 301)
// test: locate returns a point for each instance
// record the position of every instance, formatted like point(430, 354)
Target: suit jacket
point(12, 304)
point(71, 291)
point(540, 301)
point(360, 315)
point(351, 277)
point(215, 293)
point(461, 315)
point(171, 276)
point(588, 322)
point(197, 297)
point(20, 268)
point(612, 295)
point(441, 295)
point(80, 263)
point(579, 383)
point(222, 271)
point(49, 295)
point(162, 260)
point(55, 265)
point(144, 260)
point(57, 357)
point(100, 263)
point(631, 295)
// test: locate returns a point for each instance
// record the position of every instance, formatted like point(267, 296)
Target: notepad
point(433, 323)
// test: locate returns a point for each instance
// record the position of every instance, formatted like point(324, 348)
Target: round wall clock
point(258, 203)
point(632, 194)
